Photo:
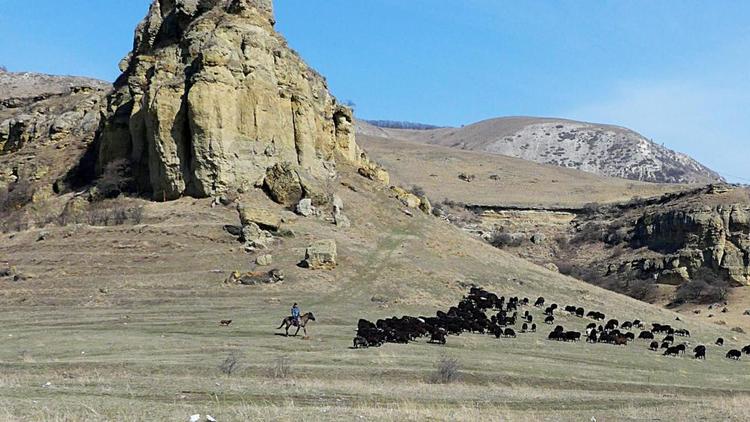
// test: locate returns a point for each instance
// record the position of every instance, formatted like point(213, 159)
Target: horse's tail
point(283, 321)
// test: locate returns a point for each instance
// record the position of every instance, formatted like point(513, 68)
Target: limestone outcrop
point(211, 98)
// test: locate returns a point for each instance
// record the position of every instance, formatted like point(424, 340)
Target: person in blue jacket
point(295, 314)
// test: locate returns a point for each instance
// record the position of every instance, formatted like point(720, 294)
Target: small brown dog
point(225, 322)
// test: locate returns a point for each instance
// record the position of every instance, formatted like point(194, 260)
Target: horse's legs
point(287, 330)
point(297, 332)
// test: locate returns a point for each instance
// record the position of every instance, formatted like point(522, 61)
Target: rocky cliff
point(595, 148)
point(212, 98)
point(39, 112)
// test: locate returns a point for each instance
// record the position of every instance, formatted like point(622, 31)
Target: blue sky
point(676, 71)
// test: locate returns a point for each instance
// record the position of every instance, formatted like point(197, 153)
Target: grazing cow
point(509, 333)
point(539, 302)
point(700, 352)
point(530, 318)
point(580, 312)
point(591, 326)
point(627, 325)
point(591, 337)
point(524, 328)
point(596, 316)
point(612, 324)
point(621, 340)
point(570, 309)
point(746, 350)
point(719, 341)
point(654, 346)
point(669, 339)
point(438, 337)
point(682, 333)
point(533, 328)
point(360, 342)
point(646, 335)
point(555, 335)
point(630, 336)
point(638, 324)
point(549, 311)
point(572, 336)
point(734, 354)
point(665, 345)
point(549, 320)
point(672, 351)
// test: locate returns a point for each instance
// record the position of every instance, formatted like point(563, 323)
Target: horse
point(288, 322)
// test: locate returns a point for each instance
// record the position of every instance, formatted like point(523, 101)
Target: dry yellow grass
point(122, 322)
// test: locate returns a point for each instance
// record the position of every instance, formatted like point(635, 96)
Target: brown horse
point(288, 322)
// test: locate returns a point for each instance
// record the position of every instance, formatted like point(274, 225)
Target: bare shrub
point(115, 179)
point(418, 191)
point(282, 368)
point(115, 212)
point(700, 291)
point(447, 370)
point(15, 196)
point(438, 209)
point(502, 239)
point(231, 364)
point(641, 289)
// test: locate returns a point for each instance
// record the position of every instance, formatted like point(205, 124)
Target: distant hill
point(596, 148)
point(394, 124)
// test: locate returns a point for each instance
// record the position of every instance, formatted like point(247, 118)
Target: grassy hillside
point(121, 323)
point(499, 180)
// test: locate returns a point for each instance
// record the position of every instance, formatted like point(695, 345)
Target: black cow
point(524, 328)
point(669, 339)
point(719, 341)
point(734, 354)
point(627, 325)
point(682, 333)
point(612, 324)
point(700, 352)
point(654, 346)
point(580, 312)
point(592, 338)
point(572, 336)
point(533, 328)
point(360, 341)
point(438, 336)
point(746, 350)
point(539, 302)
point(549, 320)
point(672, 351)
point(646, 335)
point(549, 311)
point(509, 333)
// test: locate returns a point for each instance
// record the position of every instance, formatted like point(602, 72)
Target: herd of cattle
point(508, 316)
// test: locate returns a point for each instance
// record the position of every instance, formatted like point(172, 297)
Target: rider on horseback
point(295, 315)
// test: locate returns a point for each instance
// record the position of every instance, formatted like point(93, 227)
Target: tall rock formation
point(212, 98)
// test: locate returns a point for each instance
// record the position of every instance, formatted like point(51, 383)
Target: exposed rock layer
point(211, 97)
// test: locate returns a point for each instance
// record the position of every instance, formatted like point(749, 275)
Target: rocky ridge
point(211, 99)
point(600, 149)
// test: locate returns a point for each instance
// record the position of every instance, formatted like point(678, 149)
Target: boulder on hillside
point(263, 218)
point(321, 255)
point(305, 207)
point(255, 278)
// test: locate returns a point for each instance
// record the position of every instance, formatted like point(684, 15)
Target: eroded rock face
point(715, 238)
point(212, 97)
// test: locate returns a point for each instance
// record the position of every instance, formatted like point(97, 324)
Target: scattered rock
point(338, 205)
point(424, 205)
point(375, 173)
point(408, 199)
point(264, 260)
point(538, 238)
point(697, 311)
point(255, 278)
point(552, 267)
point(747, 312)
point(342, 221)
point(321, 255)
point(233, 230)
point(305, 207)
point(407, 212)
point(195, 418)
point(283, 184)
point(43, 235)
point(738, 330)
point(210, 418)
point(263, 218)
